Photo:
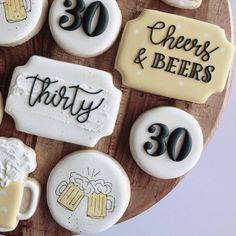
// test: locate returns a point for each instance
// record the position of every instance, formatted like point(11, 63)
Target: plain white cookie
point(184, 4)
point(21, 20)
point(88, 192)
point(69, 31)
point(166, 142)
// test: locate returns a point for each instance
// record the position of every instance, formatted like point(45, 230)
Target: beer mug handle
point(111, 202)
point(35, 189)
point(27, 4)
point(62, 186)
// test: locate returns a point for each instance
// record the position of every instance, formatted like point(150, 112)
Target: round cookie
point(184, 4)
point(85, 28)
point(21, 20)
point(166, 142)
point(87, 192)
point(1, 108)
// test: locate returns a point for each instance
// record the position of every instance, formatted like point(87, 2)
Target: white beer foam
point(16, 161)
point(102, 187)
point(90, 186)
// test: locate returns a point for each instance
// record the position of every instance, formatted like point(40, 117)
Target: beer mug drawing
point(70, 195)
point(99, 204)
point(11, 200)
point(16, 10)
point(99, 201)
point(95, 192)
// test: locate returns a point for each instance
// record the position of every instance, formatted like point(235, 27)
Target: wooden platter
point(146, 190)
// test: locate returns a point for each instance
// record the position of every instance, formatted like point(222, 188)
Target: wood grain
point(146, 190)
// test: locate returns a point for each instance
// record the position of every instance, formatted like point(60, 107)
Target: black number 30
point(171, 145)
point(87, 19)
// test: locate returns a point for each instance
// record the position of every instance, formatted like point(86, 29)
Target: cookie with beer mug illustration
point(21, 20)
point(16, 161)
point(88, 192)
point(96, 191)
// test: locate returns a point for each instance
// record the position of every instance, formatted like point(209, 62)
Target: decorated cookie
point(88, 192)
point(16, 162)
point(21, 20)
point(1, 108)
point(63, 101)
point(184, 4)
point(166, 142)
point(85, 27)
point(167, 57)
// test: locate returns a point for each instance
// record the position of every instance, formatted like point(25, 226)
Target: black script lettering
point(169, 40)
point(140, 58)
point(79, 108)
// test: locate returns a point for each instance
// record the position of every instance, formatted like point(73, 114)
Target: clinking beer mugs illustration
point(99, 202)
point(16, 10)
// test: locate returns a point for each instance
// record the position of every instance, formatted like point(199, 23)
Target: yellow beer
point(10, 202)
point(97, 206)
point(71, 197)
point(15, 10)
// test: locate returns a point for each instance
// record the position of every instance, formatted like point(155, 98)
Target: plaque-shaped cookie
point(63, 101)
point(174, 56)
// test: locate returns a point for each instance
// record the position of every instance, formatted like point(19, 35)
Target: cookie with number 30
point(166, 142)
point(85, 28)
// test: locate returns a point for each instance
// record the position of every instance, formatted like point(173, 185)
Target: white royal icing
point(90, 186)
point(74, 39)
point(16, 161)
point(185, 4)
point(63, 101)
point(158, 132)
point(21, 20)
point(88, 192)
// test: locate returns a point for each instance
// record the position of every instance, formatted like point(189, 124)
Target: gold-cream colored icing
point(10, 202)
point(141, 45)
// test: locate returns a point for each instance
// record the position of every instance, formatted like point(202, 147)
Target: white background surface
point(204, 203)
